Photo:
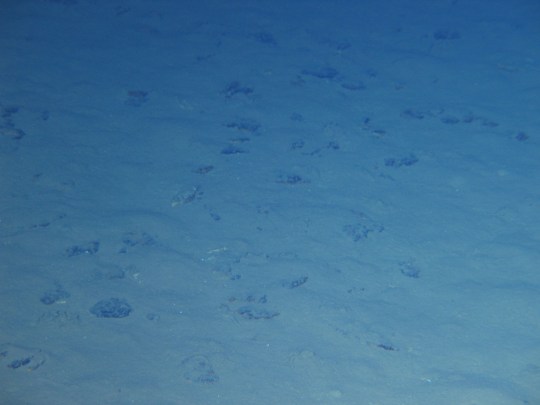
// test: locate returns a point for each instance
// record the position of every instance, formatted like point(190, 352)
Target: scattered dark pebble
point(252, 298)
point(136, 98)
point(234, 88)
point(19, 363)
point(265, 38)
point(138, 238)
point(251, 307)
point(8, 111)
point(244, 125)
point(297, 117)
point(248, 312)
point(315, 152)
point(55, 218)
point(343, 46)
point(404, 161)
point(152, 317)
point(240, 139)
point(295, 283)
point(410, 113)
point(17, 357)
point(198, 369)
point(111, 308)
point(291, 179)
point(232, 150)
point(409, 269)
point(332, 145)
point(11, 133)
point(53, 296)
point(89, 249)
point(297, 145)
point(187, 197)
point(7, 127)
point(362, 229)
point(386, 347)
point(43, 224)
point(203, 169)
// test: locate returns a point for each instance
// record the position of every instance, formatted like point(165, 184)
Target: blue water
point(255, 202)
